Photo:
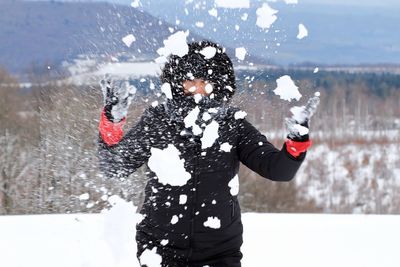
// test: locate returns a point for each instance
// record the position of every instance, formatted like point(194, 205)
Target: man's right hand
point(117, 96)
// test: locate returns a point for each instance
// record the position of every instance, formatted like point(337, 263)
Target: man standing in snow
point(192, 146)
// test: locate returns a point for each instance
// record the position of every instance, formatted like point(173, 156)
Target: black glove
point(117, 96)
point(298, 124)
point(295, 135)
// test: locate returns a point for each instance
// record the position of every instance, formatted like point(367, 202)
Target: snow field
point(108, 239)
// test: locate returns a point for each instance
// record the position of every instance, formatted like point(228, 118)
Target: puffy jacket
point(209, 192)
point(201, 217)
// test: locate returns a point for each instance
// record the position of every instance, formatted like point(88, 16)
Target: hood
point(205, 60)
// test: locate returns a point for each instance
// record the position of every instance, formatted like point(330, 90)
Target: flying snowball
point(166, 89)
point(150, 258)
point(266, 16)
point(234, 185)
point(225, 147)
point(208, 52)
point(174, 219)
point(168, 167)
point(182, 199)
point(212, 222)
point(301, 129)
point(135, 4)
point(233, 3)
point(210, 135)
point(199, 24)
point(213, 12)
point(286, 89)
point(208, 88)
point(175, 44)
point(190, 120)
point(128, 40)
point(240, 53)
point(303, 32)
point(240, 114)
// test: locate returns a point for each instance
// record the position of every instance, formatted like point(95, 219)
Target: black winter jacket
point(208, 190)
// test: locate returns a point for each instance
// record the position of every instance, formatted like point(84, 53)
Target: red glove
point(110, 132)
point(295, 148)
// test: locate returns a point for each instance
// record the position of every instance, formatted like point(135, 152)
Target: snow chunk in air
point(208, 52)
point(213, 12)
point(240, 53)
point(151, 258)
point(234, 185)
point(168, 167)
point(301, 129)
point(135, 4)
point(225, 147)
point(190, 121)
point(299, 113)
point(303, 32)
point(240, 114)
point(286, 89)
point(199, 24)
point(209, 88)
point(174, 219)
point(291, 2)
point(210, 135)
point(182, 199)
point(266, 16)
point(128, 40)
point(233, 3)
point(176, 44)
point(166, 89)
point(206, 116)
point(212, 222)
point(84, 196)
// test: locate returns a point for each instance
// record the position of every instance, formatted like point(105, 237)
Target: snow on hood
point(204, 60)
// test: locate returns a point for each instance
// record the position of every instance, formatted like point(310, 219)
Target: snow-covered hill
point(107, 239)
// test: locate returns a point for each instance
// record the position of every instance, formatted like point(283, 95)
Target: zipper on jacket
point(194, 200)
point(233, 208)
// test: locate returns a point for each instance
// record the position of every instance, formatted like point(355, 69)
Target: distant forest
point(48, 141)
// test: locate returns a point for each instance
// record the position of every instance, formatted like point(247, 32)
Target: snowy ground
point(107, 239)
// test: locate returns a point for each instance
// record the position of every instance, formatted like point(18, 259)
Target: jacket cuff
point(296, 148)
point(110, 132)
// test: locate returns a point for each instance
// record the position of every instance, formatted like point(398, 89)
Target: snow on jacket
point(199, 210)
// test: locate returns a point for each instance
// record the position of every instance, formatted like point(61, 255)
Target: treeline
point(48, 142)
point(379, 84)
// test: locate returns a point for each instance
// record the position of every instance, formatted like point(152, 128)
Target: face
point(197, 86)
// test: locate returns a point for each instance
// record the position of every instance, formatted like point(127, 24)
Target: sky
point(386, 3)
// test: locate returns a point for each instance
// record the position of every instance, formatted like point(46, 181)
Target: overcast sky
point(355, 2)
point(386, 3)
